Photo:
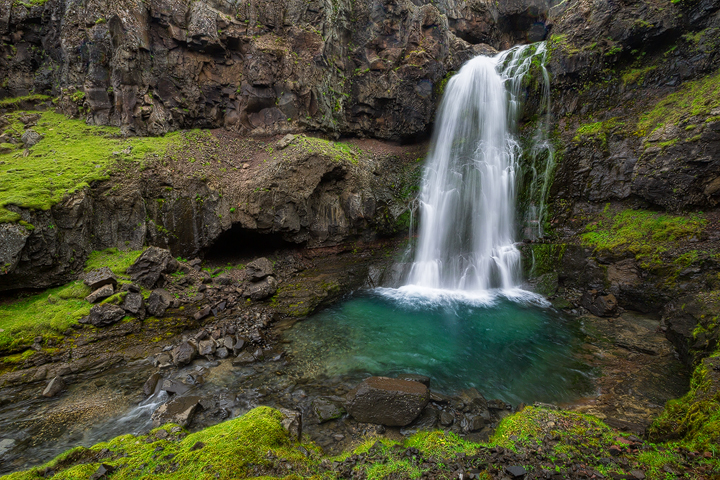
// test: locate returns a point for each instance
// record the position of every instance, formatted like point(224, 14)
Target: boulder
point(31, 138)
point(178, 410)
point(471, 422)
point(222, 352)
point(206, 347)
point(174, 387)
point(104, 315)
point(262, 289)
point(158, 302)
point(387, 401)
point(223, 279)
point(600, 305)
point(103, 471)
point(55, 386)
point(184, 353)
point(151, 383)
point(244, 358)
point(292, 423)
point(259, 269)
point(100, 294)
point(149, 266)
point(326, 409)
point(133, 303)
point(100, 277)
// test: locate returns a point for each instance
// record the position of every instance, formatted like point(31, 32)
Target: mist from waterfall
point(468, 201)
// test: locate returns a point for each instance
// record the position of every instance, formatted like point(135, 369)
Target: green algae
point(598, 130)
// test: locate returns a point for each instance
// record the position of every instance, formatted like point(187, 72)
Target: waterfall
point(468, 200)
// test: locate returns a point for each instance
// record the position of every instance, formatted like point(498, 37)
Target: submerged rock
point(55, 386)
point(387, 401)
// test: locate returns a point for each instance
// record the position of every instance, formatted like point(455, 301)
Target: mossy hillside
point(338, 151)
point(256, 446)
point(53, 311)
point(69, 157)
point(598, 130)
point(17, 101)
point(693, 421)
point(646, 234)
point(693, 99)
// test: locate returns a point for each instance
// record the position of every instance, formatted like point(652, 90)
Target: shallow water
point(509, 345)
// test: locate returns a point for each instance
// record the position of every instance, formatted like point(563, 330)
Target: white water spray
point(468, 200)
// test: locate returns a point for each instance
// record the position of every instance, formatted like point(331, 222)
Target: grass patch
point(117, 260)
point(16, 101)
point(695, 98)
point(338, 151)
point(636, 75)
point(70, 157)
point(643, 233)
point(50, 312)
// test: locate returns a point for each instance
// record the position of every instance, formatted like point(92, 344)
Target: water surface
point(509, 345)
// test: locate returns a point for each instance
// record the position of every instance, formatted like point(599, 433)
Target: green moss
point(643, 233)
point(693, 420)
point(16, 101)
point(439, 87)
point(338, 151)
point(70, 157)
point(240, 448)
point(50, 312)
point(637, 75)
point(598, 130)
point(694, 98)
point(117, 260)
point(545, 257)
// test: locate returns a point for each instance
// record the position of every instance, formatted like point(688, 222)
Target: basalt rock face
point(366, 68)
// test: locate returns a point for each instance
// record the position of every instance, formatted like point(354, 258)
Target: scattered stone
point(162, 434)
point(197, 446)
point(600, 305)
point(446, 418)
point(326, 409)
point(158, 302)
point(102, 472)
point(184, 353)
point(638, 474)
point(516, 471)
point(387, 401)
point(55, 386)
point(178, 410)
point(202, 313)
point(163, 360)
point(223, 279)
point(262, 289)
point(259, 269)
point(473, 399)
point(31, 138)
point(239, 344)
point(104, 315)
point(151, 383)
point(285, 141)
point(134, 304)
point(222, 353)
point(100, 277)
point(206, 347)
point(244, 358)
point(227, 342)
point(6, 444)
point(472, 423)
point(101, 293)
point(292, 423)
point(149, 266)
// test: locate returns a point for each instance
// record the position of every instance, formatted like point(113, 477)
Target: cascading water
point(468, 199)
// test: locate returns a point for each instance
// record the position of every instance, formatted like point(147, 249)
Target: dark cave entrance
point(239, 243)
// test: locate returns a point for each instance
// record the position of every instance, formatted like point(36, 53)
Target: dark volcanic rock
point(151, 383)
point(179, 410)
point(292, 423)
point(100, 294)
point(133, 303)
point(600, 305)
point(387, 401)
point(262, 289)
point(159, 301)
point(259, 268)
point(100, 277)
point(104, 315)
point(149, 266)
point(184, 353)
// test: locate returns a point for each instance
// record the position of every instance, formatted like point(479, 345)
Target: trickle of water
point(468, 199)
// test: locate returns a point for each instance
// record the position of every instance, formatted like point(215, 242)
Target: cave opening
point(240, 243)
